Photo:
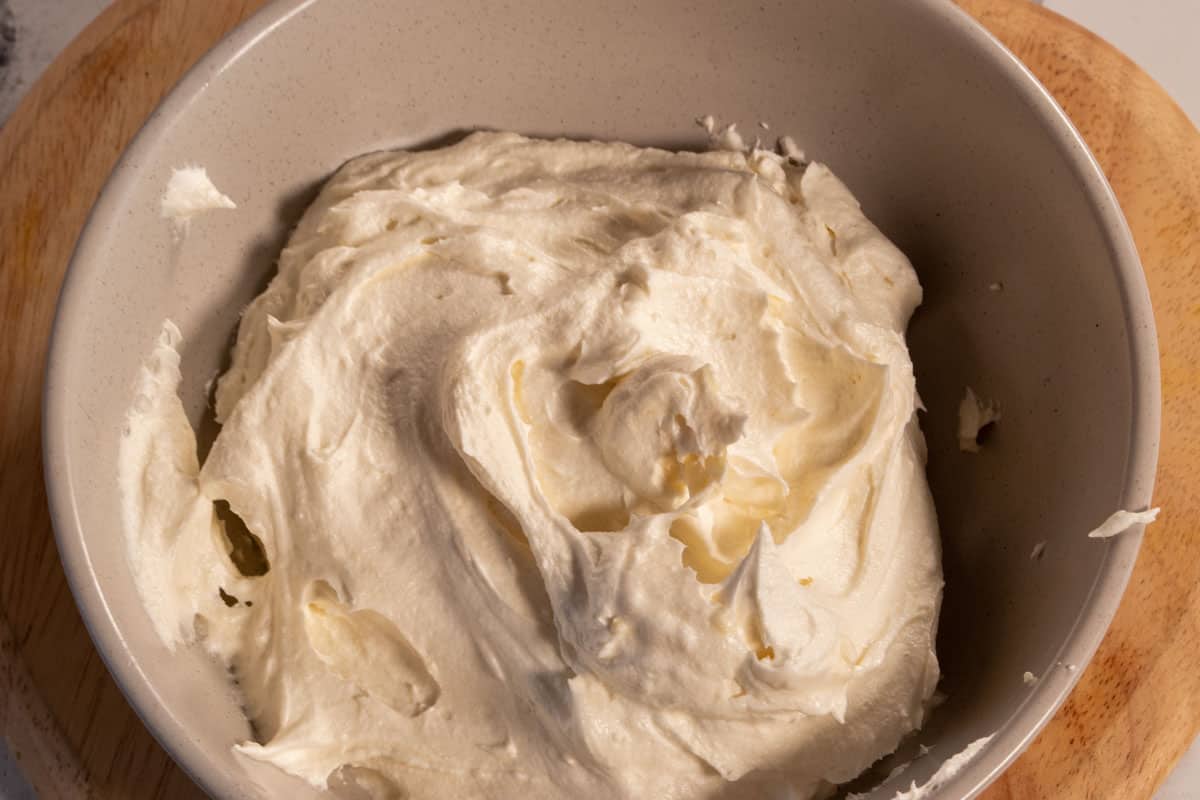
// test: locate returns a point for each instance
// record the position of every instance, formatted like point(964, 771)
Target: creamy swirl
point(580, 469)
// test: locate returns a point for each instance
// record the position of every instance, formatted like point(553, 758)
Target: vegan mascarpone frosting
point(558, 469)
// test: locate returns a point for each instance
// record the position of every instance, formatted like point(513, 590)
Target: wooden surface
point(1137, 706)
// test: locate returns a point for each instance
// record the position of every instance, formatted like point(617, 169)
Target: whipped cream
point(191, 192)
point(555, 468)
point(1121, 521)
point(947, 771)
point(974, 414)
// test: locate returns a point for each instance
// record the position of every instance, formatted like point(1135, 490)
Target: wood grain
point(65, 720)
point(1137, 706)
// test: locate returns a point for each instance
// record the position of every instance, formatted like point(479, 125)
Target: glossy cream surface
point(558, 468)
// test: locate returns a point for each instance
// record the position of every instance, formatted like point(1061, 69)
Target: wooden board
point(1137, 706)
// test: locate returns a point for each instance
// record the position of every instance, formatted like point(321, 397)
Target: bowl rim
point(1026, 721)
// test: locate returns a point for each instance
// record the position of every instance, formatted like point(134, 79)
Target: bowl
point(1034, 294)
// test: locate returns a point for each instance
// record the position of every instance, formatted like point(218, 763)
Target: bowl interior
point(954, 152)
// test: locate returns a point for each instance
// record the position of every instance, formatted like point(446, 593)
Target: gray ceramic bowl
point(953, 148)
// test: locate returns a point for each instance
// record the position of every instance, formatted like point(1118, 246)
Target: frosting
point(551, 468)
point(1121, 521)
point(974, 415)
point(948, 770)
point(191, 192)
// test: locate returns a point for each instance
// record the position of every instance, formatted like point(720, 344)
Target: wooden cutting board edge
point(1136, 708)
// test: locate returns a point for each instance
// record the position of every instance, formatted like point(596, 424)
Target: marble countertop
point(1158, 35)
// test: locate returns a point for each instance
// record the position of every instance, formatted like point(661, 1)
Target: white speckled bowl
point(953, 148)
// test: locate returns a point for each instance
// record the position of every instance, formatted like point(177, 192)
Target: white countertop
point(1160, 35)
